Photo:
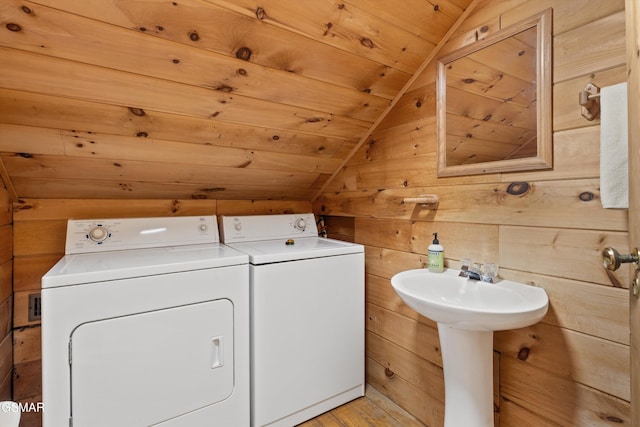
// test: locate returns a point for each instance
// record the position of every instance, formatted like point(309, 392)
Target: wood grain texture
point(544, 228)
point(373, 410)
point(632, 25)
point(6, 292)
point(235, 86)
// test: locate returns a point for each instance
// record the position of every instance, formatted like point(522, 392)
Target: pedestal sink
point(467, 312)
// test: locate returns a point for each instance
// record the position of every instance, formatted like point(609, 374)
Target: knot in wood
point(313, 120)
point(243, 53)
point(468, 81)
point(25, 9)
point(366, 42)
point(224, 88)
point(260, 13)
point(587, 196)
point(194, 36)
point(518, 188)
point(328, 27)
point(13, 27)
point(523, 354)
point(25, 155)
point(484, 28)
point(275, 137)
point(436, 7)
point(137, 111)
point(142, 134)
point(389, 373)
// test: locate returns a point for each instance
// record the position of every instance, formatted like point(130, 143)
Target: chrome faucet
point(476, 271)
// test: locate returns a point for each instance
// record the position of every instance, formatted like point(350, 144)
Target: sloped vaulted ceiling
point(237, 99)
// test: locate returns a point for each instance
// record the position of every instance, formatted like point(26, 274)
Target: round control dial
point(98, 234)
point(300, 224)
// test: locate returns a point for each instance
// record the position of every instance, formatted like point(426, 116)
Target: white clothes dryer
point(307, 317)
point(145, 322)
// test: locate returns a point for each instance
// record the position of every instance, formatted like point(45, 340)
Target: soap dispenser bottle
point(435, 256)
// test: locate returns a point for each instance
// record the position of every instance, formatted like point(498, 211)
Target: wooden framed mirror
point(494, 102)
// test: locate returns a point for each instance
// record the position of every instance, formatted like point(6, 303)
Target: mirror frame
point(544, 157)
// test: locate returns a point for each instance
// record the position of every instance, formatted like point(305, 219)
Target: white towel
point(614, 150)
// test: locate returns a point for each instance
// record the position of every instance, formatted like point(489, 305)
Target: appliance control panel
point(249, 228)
point(98, 235)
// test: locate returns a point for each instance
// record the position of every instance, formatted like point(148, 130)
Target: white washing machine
point(307, 317)
point(145, 321)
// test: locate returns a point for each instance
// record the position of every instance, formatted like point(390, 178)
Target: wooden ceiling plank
point(29, 140)
point(155, 150)
point(24, 71)
point(205, 26)
point(38, 110)
point(65, 36)
point(406, 87)
point(341, 25)
point(60, 167)
point(116, 148)
point(429, 20)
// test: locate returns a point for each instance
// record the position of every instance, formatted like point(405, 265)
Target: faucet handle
point(489, 271)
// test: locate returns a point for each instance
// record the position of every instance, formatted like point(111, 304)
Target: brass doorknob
point(611, 259)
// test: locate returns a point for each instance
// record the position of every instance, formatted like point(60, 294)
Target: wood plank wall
point(6, 293)
point(572, 369)
point(39, 231)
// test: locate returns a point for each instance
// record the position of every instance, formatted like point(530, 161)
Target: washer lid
point(269, 251)
point(97, 267)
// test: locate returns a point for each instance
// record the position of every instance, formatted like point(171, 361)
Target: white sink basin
point(470, 304)
point(467, 312)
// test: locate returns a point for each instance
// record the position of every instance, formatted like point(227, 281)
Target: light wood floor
point(373, 410)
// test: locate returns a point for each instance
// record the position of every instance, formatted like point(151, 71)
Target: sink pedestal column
point(467, 358)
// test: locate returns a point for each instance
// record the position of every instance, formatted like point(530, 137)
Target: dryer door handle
point(217, 352)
